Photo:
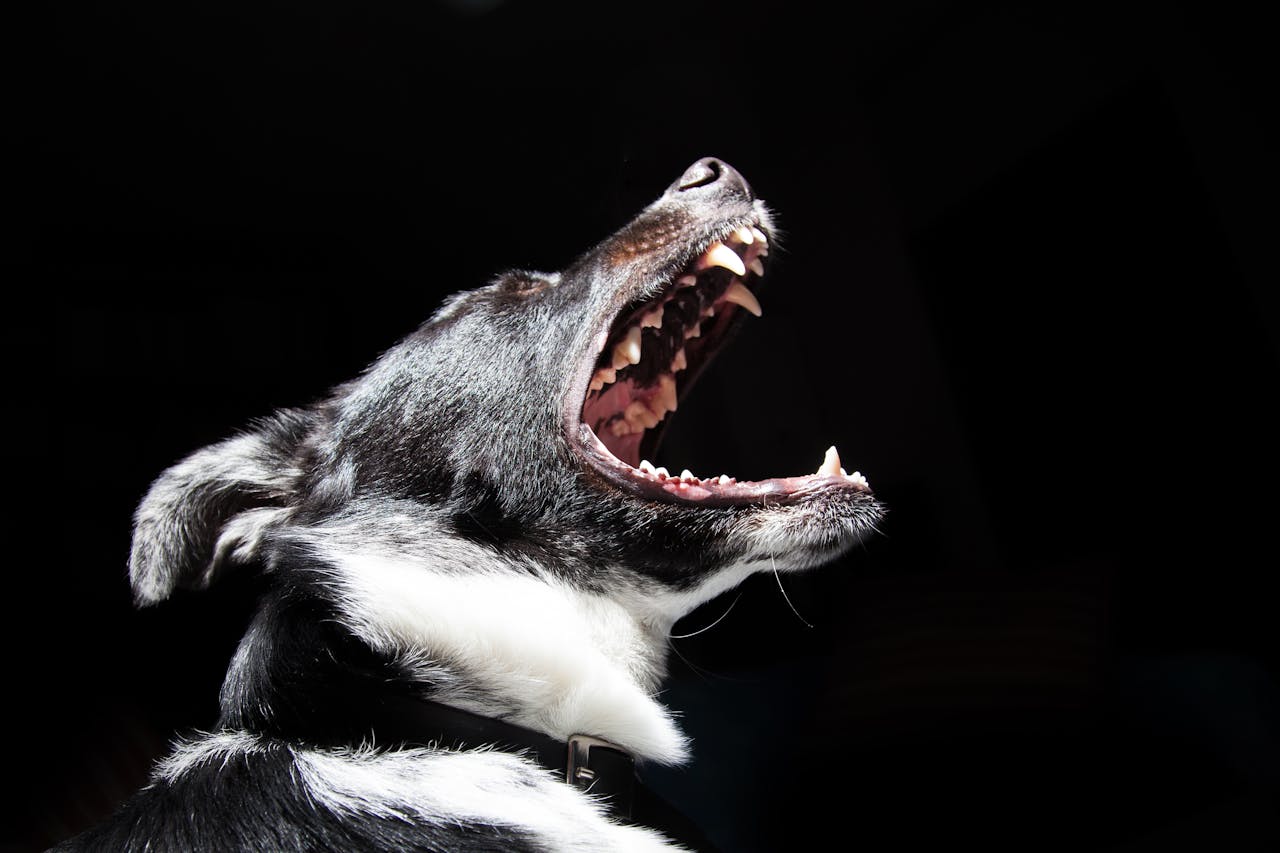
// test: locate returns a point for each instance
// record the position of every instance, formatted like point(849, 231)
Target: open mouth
point(652, 355)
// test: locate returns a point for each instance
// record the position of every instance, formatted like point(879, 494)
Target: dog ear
point(214, 507)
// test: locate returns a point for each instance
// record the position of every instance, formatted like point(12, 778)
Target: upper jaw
point(647, 352)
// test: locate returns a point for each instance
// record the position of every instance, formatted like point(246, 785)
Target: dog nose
point(711, 176)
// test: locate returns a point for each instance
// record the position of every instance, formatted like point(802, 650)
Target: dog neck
point(514, 644)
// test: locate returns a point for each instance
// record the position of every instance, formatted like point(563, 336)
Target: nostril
point(705, 171)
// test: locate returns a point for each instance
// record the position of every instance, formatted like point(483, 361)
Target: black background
point(1028, 288)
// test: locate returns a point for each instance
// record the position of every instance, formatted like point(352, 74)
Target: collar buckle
point(602, 768)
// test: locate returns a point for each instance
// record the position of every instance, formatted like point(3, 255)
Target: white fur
point(437, 787)
point(565, 661)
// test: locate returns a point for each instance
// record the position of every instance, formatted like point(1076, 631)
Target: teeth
point(665, 398)
point(647, 467)
point(756, 266)
point(602, 377)
point(622, 427)
point(627, 350)
point(687, 476)
point(687, 281)
point(738, 294)
point(631, 345)
point(638, 413)
point(744, 235)
point(661, 473)
point(652, 320)
point(764, 241)
point(830, 463)
point(725, 480)
point(859, 479)
point(720, 255)
point(679, 362)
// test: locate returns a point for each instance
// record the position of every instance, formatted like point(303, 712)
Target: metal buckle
point(578, 772)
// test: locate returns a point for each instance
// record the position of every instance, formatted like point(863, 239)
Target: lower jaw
point(657, 484)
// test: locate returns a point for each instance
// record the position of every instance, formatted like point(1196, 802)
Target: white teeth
point(679, 362)
point(725, 480)
point(687, 280)
point(738, 294)
point(661, 473)
point(744, 235)
point(652, 320)
point(830, 463)
point(858, 479)
point(631, 345)
point(720, 255)
point(627, 351)
point(756, 266)
point(647, 467)
point(764, 241)
point(687, 476)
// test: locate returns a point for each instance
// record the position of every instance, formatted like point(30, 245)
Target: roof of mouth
point(651, 356)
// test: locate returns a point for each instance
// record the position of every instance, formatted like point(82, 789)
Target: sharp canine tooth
point(720, 255)
point(830, 463)
point(756, 266)
point(764, 241)
point(738, 294)
point(744, 234)
point(630, 345)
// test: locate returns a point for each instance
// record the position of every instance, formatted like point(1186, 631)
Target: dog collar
point(590, 764)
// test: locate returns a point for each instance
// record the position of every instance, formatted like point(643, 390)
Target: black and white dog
point(473, 568)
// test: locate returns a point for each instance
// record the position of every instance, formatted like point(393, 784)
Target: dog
point(472, 567)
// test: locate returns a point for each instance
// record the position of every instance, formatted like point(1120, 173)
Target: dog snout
point(712, 178)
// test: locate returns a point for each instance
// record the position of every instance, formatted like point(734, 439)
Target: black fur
point(463, 439)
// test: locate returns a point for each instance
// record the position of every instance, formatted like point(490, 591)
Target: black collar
point(587, 763)
point(391, 718)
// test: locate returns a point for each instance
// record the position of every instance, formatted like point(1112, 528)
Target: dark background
point(1029, 289)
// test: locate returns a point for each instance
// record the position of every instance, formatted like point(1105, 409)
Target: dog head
point(506, 441)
